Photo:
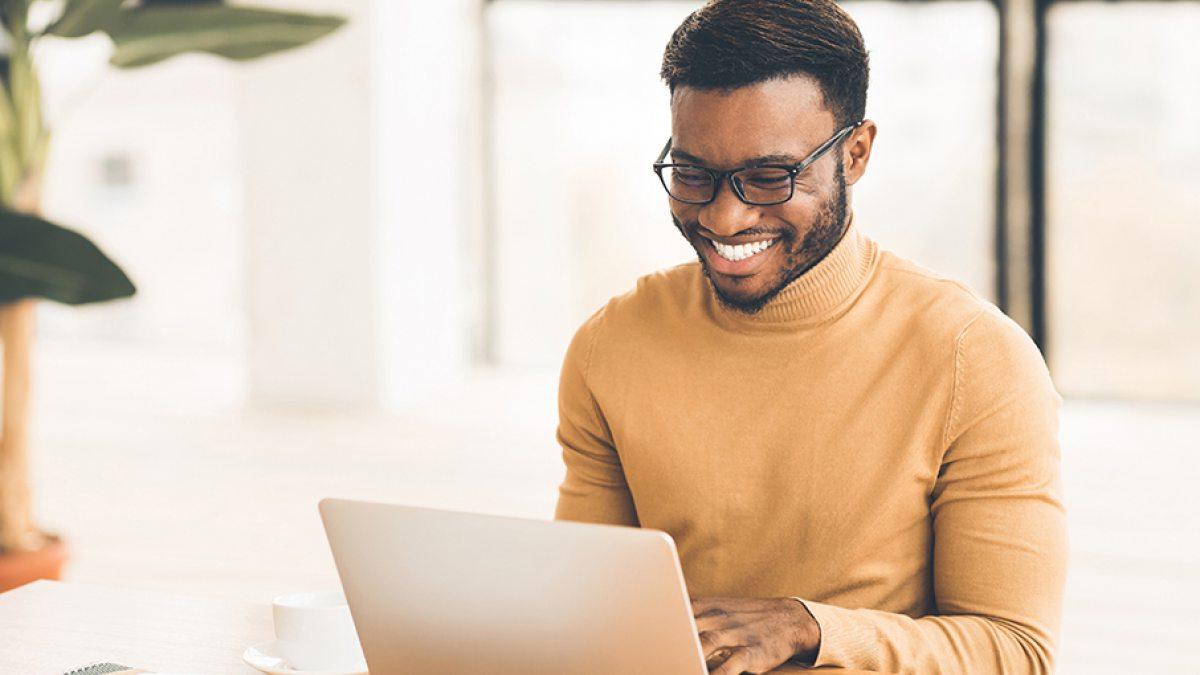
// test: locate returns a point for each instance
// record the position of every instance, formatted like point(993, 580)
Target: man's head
point(757, 82)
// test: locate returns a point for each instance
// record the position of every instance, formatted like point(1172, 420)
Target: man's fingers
point(744, 635)
point(738, 662)
point(713, 640)
point(715, 618)
point(700, 605)
point(716, 658)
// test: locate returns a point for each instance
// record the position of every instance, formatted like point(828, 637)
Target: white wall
point(176, 225)
point(313, 216)
point(427, 179)
point(579, 116)
point(365, 295)
point(305, 136)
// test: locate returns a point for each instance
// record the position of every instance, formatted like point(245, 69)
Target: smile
point(741, 251)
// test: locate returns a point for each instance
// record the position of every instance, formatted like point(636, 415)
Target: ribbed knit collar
point(814, 295)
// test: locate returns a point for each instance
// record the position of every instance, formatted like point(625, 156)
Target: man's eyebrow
point(685, 156)
point(777, 158)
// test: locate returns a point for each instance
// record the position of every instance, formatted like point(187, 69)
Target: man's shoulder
point(670, 286)
point(656, 294)
point(949, 312)
point(933, 300)
point(662, 295)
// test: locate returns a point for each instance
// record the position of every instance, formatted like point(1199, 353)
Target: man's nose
point(726, 214)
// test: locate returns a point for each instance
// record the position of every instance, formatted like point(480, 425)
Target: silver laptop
point(444, 592)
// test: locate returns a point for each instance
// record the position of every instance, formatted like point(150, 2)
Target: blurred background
point(360, 262)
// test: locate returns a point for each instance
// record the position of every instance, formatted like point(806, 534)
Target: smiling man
point(856, 457)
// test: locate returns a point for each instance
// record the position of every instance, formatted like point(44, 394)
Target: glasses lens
point(688, 183)
point(765, 185)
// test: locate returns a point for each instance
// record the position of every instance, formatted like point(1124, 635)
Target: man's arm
point(1000, 542)
point(594, 489)
point(999, 558)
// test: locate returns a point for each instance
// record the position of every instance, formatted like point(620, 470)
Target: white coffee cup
point(315, 631)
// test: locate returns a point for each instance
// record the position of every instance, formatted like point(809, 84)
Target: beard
point(826, 231)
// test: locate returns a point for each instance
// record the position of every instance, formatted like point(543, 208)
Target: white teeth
point(741, 251)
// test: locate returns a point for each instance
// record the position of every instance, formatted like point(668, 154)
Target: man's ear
point(856, 151)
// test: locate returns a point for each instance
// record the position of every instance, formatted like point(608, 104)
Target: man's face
point(776, 122)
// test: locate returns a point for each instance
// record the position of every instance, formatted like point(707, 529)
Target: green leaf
point(15, 15)
point(27, 106)
point(10, 158)
point(41, 259)
point(151, 33)
point(84, 17)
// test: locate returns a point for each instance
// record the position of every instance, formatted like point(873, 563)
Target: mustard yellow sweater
point(879, 441)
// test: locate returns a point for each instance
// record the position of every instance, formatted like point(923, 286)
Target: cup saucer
point(268, 658)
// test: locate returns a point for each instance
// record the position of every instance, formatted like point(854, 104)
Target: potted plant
point(41, 260)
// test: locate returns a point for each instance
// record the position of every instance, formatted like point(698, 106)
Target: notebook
point(101, 669)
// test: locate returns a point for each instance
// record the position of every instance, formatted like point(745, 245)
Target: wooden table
point(50, 627)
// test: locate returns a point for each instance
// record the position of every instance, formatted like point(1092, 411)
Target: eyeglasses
point(762, 185)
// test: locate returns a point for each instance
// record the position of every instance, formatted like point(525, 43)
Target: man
point(856, 457)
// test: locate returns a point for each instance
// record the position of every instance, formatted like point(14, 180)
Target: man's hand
point(754, 635)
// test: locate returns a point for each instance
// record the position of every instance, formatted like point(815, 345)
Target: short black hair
point(728, 44)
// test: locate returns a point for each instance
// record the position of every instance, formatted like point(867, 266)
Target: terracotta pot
point(21, 567)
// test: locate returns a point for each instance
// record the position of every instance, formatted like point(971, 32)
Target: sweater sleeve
point(999, 527)
point(594, 489)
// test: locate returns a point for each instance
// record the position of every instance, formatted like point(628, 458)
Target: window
point(1123, 209)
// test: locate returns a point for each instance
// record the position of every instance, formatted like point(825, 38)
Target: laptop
point(436, 591)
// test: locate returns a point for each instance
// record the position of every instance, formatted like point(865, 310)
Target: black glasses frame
point(719, 176)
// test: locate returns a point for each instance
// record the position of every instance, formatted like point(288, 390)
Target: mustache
point(694, 227)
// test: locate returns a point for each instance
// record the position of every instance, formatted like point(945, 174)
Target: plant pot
point(21, 567)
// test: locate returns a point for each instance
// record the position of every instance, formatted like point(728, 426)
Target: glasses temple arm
point(663, 155)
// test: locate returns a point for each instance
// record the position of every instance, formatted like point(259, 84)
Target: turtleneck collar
point(833, 282)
